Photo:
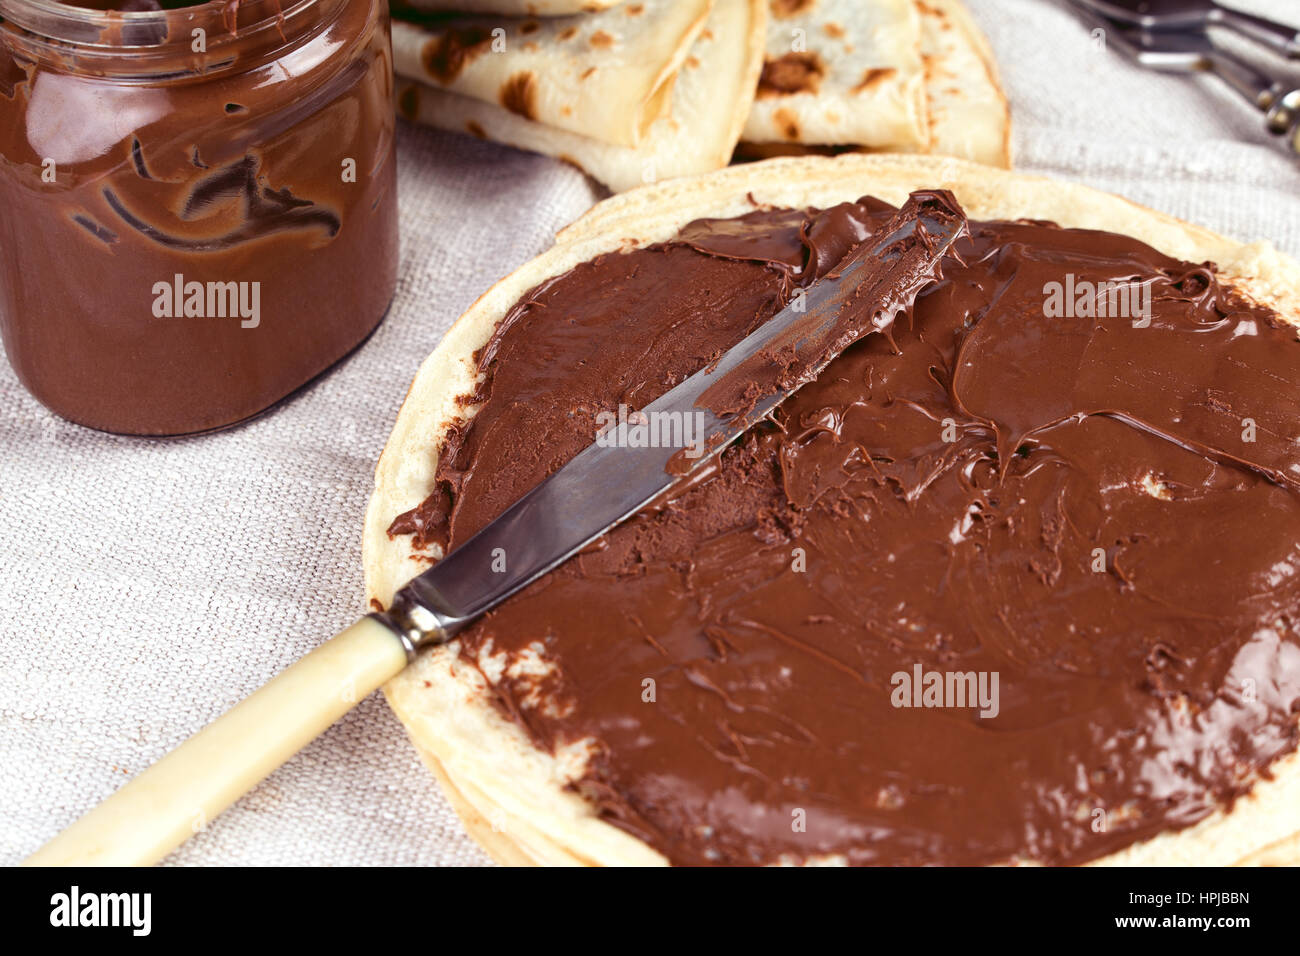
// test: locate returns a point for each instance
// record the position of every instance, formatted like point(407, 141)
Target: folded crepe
point(661, 91)
point(514, 8)
point(841, 71)
point(607, 75)
point(711, 97)
point(966, 113)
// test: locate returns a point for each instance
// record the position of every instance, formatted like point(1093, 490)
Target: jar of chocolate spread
point(197, 204)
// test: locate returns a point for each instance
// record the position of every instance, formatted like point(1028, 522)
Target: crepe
point(966, 113)
point(515, 8)
point(513, 797)
point(606, 75)
point(841, 71)
point(710, 100)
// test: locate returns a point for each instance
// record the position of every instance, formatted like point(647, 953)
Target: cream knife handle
point(172, 800)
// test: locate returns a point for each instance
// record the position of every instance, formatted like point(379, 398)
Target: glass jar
point(197, 205)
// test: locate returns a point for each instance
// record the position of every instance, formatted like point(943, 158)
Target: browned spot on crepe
point(635, 9)
point(601, 40)
point(927, 10)
point(784, 9)
point(408, 102)
point(692, 61)
point(519, 94)
point(788, 123)
point(568, 33)
point(873, 76)
point(447, 54)
point(529, 26)
point(929, 65)
point(791, 73)
point(833, 30)
point(587, 72)
point(475, 130)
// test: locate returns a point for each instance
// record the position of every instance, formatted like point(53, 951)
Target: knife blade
point(611, 480)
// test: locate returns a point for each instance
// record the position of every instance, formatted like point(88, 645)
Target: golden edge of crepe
point(511, 796)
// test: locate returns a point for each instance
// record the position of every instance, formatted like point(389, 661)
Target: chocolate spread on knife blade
point(1103, 511)
point(876, 284)
point(861, 295)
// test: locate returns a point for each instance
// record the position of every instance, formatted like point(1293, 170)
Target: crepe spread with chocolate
point(1103, 512)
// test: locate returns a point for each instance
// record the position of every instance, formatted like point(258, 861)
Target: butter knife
point(603, 485)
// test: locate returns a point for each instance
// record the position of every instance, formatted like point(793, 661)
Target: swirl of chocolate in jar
point(1074, 504)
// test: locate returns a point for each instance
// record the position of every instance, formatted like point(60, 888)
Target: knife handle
point(179, 795)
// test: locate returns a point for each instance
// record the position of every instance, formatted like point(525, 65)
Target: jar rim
point(85, 26)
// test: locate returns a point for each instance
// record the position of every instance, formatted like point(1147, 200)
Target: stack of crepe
point(635, 91)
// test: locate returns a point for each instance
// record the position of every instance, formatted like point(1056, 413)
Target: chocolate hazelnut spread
point(199, 209)
point(1069, 471)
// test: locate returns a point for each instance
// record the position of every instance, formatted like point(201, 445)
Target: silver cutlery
point(1197, 15)
point(1191, 50)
